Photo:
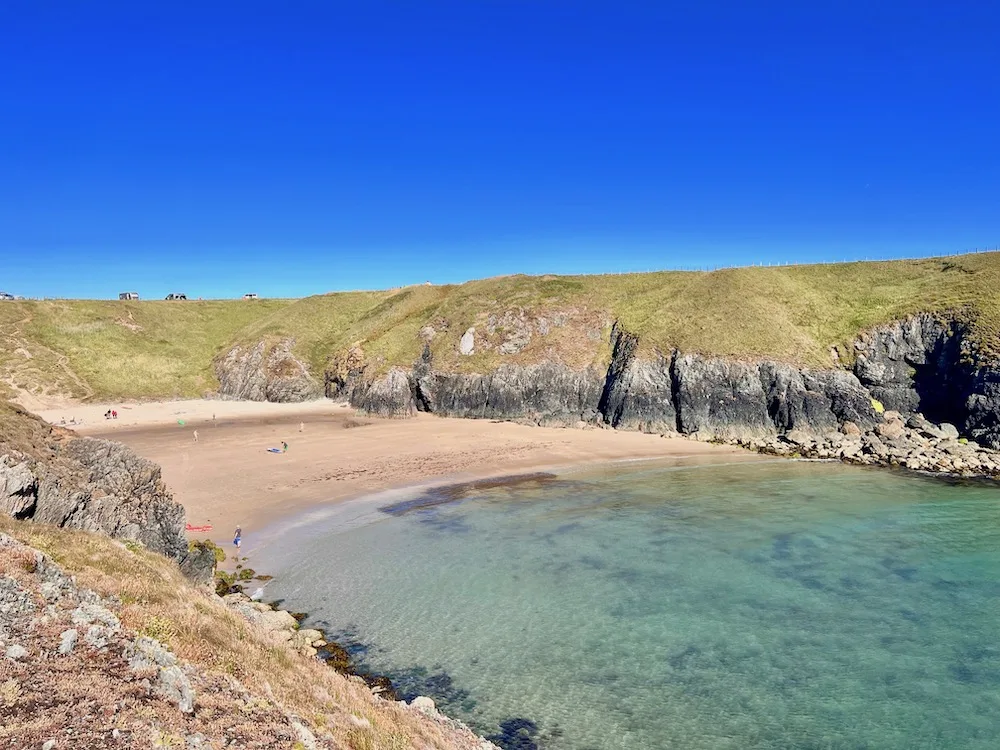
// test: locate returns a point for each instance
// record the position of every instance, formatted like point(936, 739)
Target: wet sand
point(228, 477)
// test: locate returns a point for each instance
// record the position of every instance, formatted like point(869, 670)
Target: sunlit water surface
point(763, 605)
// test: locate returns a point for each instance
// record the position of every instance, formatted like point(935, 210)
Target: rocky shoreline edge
point(914, 443)
point(284, 627)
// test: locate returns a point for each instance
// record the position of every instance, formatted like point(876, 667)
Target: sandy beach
point(228, 476)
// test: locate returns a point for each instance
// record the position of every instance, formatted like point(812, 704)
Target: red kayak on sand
point(189, 527)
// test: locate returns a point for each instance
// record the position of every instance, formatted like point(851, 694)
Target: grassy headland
point(99, 350)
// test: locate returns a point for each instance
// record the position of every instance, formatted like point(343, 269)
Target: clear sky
point(298, 147)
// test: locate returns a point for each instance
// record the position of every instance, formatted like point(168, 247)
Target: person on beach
point(302, 426)
point(284, 447)
point(114, 414)
point(237, 537)
point(196, 436)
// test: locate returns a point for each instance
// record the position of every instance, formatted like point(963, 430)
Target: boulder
point(467, 344)
point(874, 446)
point(890, 429)
point(18, 488)
point(948, 430)
point(799, 437)
point(424, 704)
point(277, 619)
point(266, 373)
point(849, 428)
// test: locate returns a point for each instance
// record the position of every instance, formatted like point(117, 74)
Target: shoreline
point(229, 474)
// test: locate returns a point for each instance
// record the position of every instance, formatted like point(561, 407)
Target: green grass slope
point(101, 350)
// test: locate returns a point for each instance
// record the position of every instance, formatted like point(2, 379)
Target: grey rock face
point(549, 393)
point(18, 489)
point(199, 564)
point(982, 405)
point(117, 493)
point(847, 399)
point(889, 357)
point(390, 396)
point(95, 485)
point(920, 362)
point(720, 397)
point(259, 374)
point(927, 364)
point(637, 395)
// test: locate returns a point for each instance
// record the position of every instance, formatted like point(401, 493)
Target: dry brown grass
point(158, 600)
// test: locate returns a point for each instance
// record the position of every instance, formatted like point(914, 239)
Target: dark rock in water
point(381, 686)
point(516, 734)
point(260, 373)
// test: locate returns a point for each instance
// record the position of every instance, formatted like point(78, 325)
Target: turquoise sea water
point(763, 605)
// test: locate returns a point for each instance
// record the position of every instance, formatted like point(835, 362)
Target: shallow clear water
point(763, 605)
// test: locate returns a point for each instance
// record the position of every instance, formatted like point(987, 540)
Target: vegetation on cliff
point(101, 350)
point(217, 679)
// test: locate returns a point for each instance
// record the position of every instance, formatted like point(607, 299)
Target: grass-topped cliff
point(110, 349)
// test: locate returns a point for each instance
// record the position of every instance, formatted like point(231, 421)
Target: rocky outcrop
point(390, 396)
point(921, 365)
point(141, 684)
point(260, 373)
point(815, 401)
point(543, 394)
point(637, 394)
point(721, 398)
point(95, 485)
point(915, 443)
point(929, 364)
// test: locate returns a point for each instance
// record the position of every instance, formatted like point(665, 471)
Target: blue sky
point(301, 147)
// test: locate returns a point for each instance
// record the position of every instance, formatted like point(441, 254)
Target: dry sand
point(227, 477)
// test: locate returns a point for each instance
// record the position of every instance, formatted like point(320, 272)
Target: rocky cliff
point(930, 364)
point(265, 373)
point(52, 476)
point(922, 365)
